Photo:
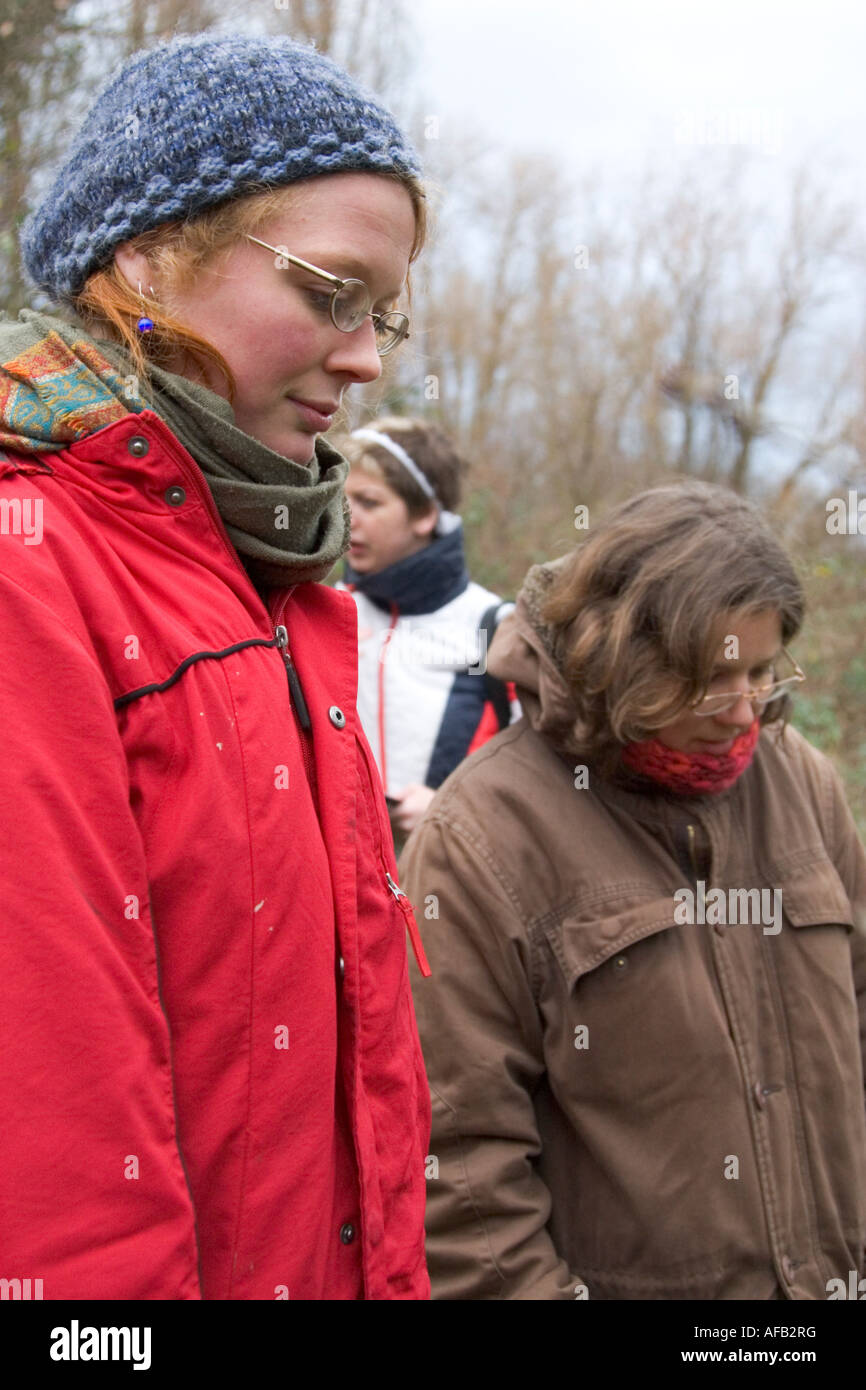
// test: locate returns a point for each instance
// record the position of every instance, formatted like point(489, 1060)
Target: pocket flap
point(582, 939)
point(815, 896)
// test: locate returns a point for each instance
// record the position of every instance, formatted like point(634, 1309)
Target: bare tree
point(587, 340)
point(41, 45)
point(55, 54)
point(372, 39)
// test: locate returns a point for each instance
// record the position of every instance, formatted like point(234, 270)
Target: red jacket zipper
point(400, 897)
point(414, 935)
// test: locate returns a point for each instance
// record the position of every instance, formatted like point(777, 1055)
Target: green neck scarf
point(289, 522)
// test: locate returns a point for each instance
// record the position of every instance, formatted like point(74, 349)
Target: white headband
point(447, 521)
point(399, 453)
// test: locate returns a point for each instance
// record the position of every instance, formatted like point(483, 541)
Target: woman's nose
point(742, 713)
point(355, 354)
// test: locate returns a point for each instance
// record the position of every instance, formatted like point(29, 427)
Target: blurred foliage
point(830, 709)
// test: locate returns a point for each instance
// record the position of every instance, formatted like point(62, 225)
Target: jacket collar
point(420, 583)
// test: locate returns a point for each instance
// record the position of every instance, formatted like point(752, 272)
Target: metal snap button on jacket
point(138, 445)
point(337, 717)
point(175, 496)
point(347, 1233)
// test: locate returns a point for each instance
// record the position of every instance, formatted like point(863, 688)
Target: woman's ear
point(134, 267)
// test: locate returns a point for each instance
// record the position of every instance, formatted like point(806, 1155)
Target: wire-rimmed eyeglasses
point(350, 302)
point(760, 697)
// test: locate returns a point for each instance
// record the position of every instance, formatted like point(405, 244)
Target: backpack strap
point(496, 690)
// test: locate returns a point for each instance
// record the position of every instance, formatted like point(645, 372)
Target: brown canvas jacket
point(624, 1106)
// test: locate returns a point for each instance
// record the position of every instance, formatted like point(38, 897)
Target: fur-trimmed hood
point(522, 652)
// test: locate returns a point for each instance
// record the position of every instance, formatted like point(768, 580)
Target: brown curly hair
point(633, 614)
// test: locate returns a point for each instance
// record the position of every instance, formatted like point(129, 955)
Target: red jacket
point(196, 1099)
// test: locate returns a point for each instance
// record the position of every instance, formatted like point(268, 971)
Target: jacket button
point(175, 496)
point(758, 1093)
point(138, 446)
point(337, 717)
point(347, 1233)
point(342, 967)
point(788, 1268)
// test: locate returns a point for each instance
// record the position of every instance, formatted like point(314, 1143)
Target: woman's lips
point(722, 746)
point(318, 417)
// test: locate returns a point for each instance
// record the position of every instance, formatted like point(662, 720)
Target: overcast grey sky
point(623, 80)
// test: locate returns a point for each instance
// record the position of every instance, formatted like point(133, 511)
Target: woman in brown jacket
point(645, 908)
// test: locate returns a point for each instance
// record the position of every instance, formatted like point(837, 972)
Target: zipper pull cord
point(414, 934)
point(295, 690)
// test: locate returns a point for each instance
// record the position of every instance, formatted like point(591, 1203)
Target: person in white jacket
point(424, 698)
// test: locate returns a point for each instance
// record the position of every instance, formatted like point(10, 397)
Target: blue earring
point(144, 325)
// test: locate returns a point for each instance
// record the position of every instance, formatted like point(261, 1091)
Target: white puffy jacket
point(423, 699)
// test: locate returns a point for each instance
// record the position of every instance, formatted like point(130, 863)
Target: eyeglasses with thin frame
point(759, 698)
point(350, 302)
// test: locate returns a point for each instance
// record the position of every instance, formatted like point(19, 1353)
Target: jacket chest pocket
point(812, 964)
point(814, 896)
point(816, 970)
point(633, 1006)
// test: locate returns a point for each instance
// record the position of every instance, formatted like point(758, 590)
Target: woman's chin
point(293, 445)
point(302, 453)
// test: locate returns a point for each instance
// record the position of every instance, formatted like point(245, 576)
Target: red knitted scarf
point(692, 774)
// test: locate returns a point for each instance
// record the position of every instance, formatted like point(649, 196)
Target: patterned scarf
point(692, 774)
point(289, 522)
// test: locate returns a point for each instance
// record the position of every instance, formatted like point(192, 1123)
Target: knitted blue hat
point(189, 123)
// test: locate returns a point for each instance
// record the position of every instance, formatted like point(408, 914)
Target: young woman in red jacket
point(212, 1085)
